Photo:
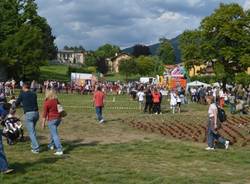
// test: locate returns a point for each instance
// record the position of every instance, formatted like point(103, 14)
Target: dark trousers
point(157, 108)
point(148, 107)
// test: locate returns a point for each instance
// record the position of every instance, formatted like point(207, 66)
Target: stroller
point(12, 126)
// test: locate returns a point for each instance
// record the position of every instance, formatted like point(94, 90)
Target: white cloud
point(92, 23)
point(247, 5)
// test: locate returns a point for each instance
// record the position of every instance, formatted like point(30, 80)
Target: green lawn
point(54, 72)
point(117, 153)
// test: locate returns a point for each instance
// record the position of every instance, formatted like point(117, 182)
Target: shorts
point(179, 104)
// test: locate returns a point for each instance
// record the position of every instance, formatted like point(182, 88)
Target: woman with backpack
point(51, 114)
point(212, 133)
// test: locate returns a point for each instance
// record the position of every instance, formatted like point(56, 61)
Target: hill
point(153, 48)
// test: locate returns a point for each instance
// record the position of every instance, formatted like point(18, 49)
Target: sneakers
point(35, 151)
point(8, 171)
point(101, 121)
point(227, 144)
point(209, 148)
point(58, 153)
point(51, 147)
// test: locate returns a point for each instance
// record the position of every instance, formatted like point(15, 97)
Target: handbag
point(61, 110)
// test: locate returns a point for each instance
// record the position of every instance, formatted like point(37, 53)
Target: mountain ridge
point(153, 48)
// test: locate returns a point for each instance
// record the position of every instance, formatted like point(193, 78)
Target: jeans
point(3, 160)
point(98, 111)
point(54, 137)
point(232, 108)
point(31, 119)
point(213, 135)
point(148, 106)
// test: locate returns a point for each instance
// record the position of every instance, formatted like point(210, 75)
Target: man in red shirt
point(98, 100)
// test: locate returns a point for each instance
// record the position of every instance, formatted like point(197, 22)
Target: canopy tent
point(217, 84)
point(197, 84)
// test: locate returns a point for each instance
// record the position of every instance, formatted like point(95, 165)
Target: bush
point(242, 78)
point(206, 79)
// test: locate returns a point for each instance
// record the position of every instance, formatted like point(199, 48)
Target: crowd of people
point(236, 97)
point(149, 97)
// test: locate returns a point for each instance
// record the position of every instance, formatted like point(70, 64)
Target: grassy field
point(117, 153)
point(54, 72)
point(59, 72)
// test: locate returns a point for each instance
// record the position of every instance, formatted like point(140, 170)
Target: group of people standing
point(152, 98)
point(28, 100)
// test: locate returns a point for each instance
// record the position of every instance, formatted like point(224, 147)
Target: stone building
point(71, 57)
point(115, 61)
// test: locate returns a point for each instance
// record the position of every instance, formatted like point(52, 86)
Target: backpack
point(221, 116)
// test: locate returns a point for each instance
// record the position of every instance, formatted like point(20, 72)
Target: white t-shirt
point(140, 96)
point(211, 109)
point(221, 94)
point(173, 100)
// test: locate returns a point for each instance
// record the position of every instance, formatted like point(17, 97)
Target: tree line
point(26, 40)
point(223, 40)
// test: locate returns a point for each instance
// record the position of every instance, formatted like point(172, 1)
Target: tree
point(190, 45)
point(31, 17)
point(166, 52)
point(102, 65)
point(26, 40)
point(128, 67)
point(90, 59)
point(107, 51)
point(226, 36)
point(141, 50)
point(102, 54)
point(149, 65)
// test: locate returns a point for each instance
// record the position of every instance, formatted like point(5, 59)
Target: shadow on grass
point(22, 167)
point(71, 145)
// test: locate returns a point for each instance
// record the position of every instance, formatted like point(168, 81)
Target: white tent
point(217, 84)
point(197, 84)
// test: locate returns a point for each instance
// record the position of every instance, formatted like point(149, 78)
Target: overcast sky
point(92, 23)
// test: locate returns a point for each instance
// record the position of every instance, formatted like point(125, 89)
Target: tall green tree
point(226, 35)
point(166, 52)
point(149, 65)
point(191, 48)
point(107, 51)
point(25, 39)
point(102, 54)
point(128, 67)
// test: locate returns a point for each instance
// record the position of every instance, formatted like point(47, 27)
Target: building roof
point(69, 51)
point(119, 55)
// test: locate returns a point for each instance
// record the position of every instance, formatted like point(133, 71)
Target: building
point(71, 57)
point(115, 61)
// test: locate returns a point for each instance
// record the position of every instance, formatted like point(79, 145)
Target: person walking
point(140, 96)
point(149, 101)
point(4, 167)
point(51, 114)
point(173, 101)
point(98, 100)
point(30, 108)
point(212, 128)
